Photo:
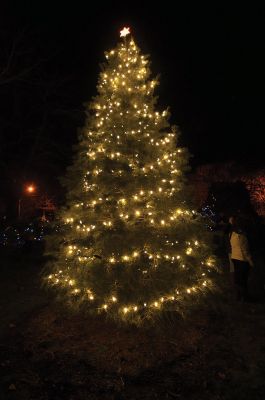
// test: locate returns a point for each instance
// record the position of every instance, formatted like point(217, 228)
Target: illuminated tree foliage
point(130, 244)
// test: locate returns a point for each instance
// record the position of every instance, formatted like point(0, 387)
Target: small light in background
point(30, 189)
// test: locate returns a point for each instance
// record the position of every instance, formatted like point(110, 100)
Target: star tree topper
point(124, 32)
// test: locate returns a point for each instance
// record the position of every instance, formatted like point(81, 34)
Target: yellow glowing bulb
point(114, 299)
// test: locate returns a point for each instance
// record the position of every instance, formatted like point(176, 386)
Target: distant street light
point(30, 189)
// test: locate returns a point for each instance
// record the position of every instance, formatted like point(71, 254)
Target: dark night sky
point(211, 62)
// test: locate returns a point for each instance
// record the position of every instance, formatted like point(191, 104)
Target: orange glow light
point(30, 189)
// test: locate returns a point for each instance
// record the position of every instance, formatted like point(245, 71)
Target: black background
point(210, 61)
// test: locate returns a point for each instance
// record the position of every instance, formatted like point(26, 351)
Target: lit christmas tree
point(130, 243)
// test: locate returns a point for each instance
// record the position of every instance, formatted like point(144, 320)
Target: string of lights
point(131, 242)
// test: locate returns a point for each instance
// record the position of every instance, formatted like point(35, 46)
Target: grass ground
point(47, 354)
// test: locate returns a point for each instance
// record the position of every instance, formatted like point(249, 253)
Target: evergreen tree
point(130, 243)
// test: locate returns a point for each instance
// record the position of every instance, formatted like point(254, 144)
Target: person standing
point(241, 258)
